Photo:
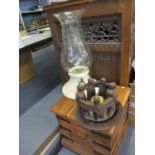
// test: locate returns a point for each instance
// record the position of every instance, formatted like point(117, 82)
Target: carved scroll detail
point(104, 31)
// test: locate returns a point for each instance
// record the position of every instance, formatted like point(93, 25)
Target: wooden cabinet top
point(78, 4)
point(65, 106)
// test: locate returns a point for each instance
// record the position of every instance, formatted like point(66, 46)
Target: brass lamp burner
point(96, 99)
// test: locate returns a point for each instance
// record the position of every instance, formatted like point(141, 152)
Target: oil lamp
point(75, 56)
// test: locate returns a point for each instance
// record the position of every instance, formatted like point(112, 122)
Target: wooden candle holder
point(96, 99)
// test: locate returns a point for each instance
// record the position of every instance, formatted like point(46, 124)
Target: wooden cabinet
point(87, 141)
point(107, 28)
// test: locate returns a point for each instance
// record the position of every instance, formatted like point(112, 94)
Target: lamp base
point(70, 87)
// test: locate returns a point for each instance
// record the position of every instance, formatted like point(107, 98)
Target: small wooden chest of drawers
point(90, 142)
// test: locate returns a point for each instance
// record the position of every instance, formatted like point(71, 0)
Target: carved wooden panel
point(106, 65)
point(107, 29)
point(102, 29)
point(102, 34)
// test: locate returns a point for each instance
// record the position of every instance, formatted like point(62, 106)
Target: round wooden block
point(100, 125)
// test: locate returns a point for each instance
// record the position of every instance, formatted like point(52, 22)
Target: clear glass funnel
point(75, 55)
